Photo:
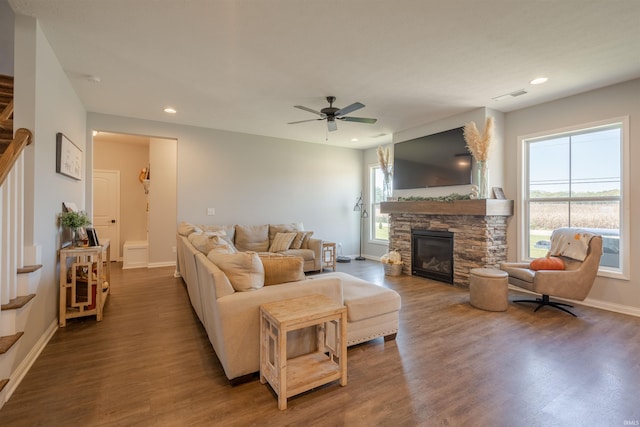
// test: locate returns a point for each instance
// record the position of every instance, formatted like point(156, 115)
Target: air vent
point(510, 95)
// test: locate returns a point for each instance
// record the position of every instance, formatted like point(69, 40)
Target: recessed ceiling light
point(95, 132)
point(354, 140)
point(170, 110)
point(94, 79)
point(539, 81)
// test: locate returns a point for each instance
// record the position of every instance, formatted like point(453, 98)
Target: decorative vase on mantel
point(482, 179)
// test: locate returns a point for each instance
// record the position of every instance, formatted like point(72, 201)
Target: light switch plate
point(211, 211)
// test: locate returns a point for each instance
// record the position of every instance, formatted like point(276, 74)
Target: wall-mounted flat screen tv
point(437, 160)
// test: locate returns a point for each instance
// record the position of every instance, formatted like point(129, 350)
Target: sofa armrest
point(316, 246)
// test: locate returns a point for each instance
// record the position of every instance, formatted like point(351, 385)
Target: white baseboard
point(18, 375)
point(161, 264)
point(590, 302)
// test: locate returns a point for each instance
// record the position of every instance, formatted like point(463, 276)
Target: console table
point(297, 375)
point(85, 278)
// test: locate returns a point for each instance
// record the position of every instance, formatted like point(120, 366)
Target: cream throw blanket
point(571, 243)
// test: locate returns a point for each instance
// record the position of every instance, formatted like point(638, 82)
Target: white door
point(106, 208)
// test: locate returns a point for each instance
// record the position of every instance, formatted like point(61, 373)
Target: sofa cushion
point(211, 241)
point(305, 254)
point(252, 238)
point(281, 242)
point(243, 269)
point(365, 300)
point(282, 269)
point(223, 286)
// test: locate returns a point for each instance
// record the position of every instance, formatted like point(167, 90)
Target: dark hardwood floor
point(149, 363)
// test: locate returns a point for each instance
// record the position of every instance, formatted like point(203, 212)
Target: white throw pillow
point(282, 241)
point(243, 269)
point(211, 241)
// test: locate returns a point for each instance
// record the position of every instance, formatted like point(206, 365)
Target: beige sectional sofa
point(231, 318)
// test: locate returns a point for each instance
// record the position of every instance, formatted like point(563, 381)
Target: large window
point(379, 221)
point(575, 179)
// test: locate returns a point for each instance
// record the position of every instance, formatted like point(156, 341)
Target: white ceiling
point(241, 65)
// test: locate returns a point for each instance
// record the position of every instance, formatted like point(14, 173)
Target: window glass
point(379, 221)
point(574, 180)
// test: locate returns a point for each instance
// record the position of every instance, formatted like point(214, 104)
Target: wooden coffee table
point(289, 377)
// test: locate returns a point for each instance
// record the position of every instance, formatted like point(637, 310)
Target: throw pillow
point(281, 242)
point(252, 238)
point(547, 263)
point(229, 230)
point(243, 269)
point(305, 240)
point(282, 269)
point(297, 241)
point(185, 228)
point(282, 228)
point(206, 242)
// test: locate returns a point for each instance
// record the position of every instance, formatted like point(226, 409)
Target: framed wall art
point(68, 157)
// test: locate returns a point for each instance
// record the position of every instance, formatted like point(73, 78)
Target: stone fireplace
point(478, 228)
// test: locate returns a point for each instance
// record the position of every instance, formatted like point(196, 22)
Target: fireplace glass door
point(432, 255)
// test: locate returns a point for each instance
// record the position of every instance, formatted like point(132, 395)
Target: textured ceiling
point(241, 65)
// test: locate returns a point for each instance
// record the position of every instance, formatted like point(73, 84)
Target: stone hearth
point(479, 228)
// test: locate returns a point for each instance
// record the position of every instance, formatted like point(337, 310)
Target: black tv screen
point(437, 160)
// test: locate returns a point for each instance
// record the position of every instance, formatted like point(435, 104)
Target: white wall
point(46, 104)
point(162, 201)
point(6, 38)
point(251, 179)
point(610, 102)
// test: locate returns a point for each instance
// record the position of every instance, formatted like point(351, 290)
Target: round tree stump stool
point(488, 288)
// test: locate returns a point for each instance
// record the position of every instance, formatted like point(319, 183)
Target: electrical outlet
point(211, 211)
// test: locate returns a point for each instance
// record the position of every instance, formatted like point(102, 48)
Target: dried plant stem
point(479, 144)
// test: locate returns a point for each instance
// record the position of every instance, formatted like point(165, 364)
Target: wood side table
point(85, 281)
point(289, 377)
point(328, 255)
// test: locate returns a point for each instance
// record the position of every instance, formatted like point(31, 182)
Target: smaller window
point(379, 221)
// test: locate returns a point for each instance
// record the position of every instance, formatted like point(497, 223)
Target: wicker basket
point(393, 269)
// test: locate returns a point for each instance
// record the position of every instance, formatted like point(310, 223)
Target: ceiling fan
point(331, 113)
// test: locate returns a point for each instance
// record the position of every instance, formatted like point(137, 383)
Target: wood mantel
point(482, 207)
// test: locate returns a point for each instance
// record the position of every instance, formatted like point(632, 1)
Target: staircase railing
point(12, 153)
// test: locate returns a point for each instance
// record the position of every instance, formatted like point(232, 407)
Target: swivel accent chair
point(574, 282)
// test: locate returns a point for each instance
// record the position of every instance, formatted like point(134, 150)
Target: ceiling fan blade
point(331, 124)
point(310, 110)
point(349, 108)
point(302, 121)
point(358, 119)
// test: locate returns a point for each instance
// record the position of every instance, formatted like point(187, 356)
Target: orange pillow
point(547, 263)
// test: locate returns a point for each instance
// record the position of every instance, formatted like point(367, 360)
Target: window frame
point(523, 197)
point(372, 206)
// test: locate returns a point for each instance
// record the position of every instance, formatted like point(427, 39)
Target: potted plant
point(74, 221)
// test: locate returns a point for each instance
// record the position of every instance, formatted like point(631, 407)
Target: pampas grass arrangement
point(479, 144)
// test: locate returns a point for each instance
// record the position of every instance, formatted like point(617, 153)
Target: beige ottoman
point(488, 288)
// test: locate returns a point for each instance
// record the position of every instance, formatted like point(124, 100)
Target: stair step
point(29, 269)
point(3, 383)
point(7, 124)
point(8, 341)
point(17, 302)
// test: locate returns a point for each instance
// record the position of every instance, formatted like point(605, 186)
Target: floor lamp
point(359, 207)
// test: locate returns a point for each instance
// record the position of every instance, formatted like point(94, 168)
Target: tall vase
point(386, 189)
point(482, 179)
